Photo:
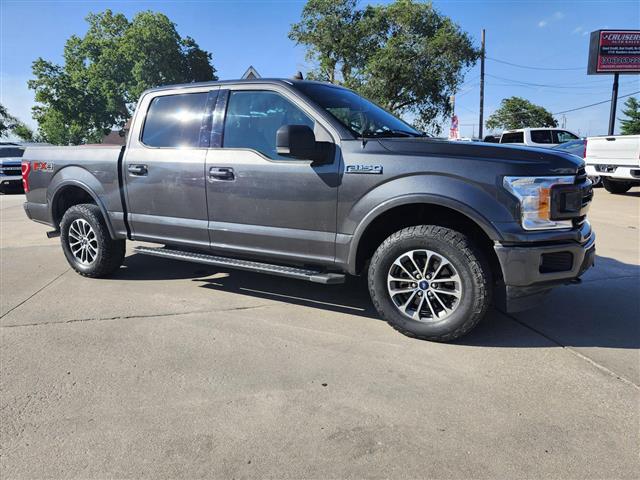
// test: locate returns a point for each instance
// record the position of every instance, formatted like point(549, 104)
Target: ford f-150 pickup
point(311, 181)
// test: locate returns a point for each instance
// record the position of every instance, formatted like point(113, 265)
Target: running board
point(282, 271)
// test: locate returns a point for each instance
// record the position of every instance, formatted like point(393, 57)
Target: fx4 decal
point(42, 166)
point(370, 169)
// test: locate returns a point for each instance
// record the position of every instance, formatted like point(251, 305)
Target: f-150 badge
point(370, 169)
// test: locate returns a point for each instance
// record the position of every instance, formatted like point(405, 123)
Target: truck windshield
point(362, 117)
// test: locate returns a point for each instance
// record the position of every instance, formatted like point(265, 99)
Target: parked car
point(615, 159)
point(537, 137)
point(578, 148)
point(311, 181)
point(491, 139)
point(10, 174)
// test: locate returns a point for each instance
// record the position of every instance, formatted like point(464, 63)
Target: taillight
point(584, 154)
point(26, 170)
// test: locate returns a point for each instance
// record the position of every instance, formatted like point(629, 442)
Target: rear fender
point(78, 177)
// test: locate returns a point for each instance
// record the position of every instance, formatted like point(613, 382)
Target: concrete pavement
point(172, 370)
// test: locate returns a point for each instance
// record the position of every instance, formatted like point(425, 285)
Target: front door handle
point(137, 170)
point(221, 173)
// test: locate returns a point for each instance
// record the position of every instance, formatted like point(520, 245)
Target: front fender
point(469, 199)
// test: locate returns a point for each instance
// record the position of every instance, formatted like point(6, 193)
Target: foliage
point(106, 71)
point(631, 124)
point(405, 56)
point(10, 124)
point(516, 112)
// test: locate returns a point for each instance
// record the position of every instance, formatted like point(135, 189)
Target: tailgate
point(615, 150)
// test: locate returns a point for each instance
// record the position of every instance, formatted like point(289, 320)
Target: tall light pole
point(481, 87)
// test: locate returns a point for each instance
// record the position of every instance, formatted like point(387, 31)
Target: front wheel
point(615, 186)
point(86, 242)
point(430, 282)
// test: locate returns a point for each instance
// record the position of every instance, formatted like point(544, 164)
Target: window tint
point(254, 117)
point(560, 136)
point(541, 136)
point(515, 137)
point(175, 120)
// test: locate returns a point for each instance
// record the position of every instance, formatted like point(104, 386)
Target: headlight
point(534, 194)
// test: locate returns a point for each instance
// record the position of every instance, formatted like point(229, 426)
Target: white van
point(615, 159)
point(537, 137)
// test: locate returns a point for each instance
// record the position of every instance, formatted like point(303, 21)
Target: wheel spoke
point(416, 315)
point(433, 313)
point(395, 292)
point(410, 256)
point(399, 264)
point(443, 263)
point(408, 302)
point(426, 264)
point(446, 309)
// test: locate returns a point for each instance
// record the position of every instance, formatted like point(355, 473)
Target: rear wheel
point(86, 242)
point(615, 186)
point(430, 282)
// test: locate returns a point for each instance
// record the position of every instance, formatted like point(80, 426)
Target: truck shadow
point(602, 311)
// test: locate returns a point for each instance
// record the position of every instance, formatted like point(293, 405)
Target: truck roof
point(256, 81)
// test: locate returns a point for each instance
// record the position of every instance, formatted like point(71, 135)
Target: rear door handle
point(137, 170)
point(221, 173)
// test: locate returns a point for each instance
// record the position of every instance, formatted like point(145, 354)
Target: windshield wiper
point(391, 133)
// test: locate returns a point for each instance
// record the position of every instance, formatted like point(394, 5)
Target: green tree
point(631, 124)
point(10, 124)
point(516, 112)
point(405, 56)
point(105, 72)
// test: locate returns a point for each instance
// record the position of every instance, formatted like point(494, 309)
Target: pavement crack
point(587, 359)
point(129, 317)
point(33, 294)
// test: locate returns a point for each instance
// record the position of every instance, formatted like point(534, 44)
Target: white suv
point(537, 137)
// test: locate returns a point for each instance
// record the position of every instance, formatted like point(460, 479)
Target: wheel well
point(66, 198)
point(404, 216)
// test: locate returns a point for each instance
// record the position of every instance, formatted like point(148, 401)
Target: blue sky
point(239, 33)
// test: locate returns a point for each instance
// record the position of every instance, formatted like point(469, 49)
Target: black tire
point(472, 268)
point(110, 253)
point(615, 186)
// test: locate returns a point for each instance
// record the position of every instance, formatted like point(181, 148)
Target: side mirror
point(297, 141)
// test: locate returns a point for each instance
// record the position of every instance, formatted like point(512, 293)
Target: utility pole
point(614, 101)
point(481, 87)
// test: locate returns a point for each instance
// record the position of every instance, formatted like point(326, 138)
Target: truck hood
point(553, 161)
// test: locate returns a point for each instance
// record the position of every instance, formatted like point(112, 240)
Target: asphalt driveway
point(173, 369)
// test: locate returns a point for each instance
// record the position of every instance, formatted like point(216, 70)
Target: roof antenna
point(298, 76)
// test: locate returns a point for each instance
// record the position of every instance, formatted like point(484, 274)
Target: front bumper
point(530, 272)
point(10, 182)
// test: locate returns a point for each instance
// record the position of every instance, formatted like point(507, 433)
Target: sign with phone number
point(614, 51)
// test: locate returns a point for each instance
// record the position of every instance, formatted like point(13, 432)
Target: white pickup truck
point(616, 160)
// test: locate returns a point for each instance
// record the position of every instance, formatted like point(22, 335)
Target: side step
point(282, 271)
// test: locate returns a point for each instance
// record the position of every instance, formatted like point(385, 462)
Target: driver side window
point(254, 117)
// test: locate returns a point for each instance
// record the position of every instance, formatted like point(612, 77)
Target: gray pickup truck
point(311, 181)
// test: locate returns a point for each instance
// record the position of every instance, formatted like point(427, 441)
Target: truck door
point(263, 204)
point(163, 167)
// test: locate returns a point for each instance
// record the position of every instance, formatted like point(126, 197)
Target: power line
point(552, 85)
point(532, 68)
point(594, 104)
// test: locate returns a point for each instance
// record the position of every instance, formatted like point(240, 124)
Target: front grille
point(587, 197)
point(556, 262)
point(10, 170)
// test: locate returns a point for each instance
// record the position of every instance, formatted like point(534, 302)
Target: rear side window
point(175, 120)
point(515, 137)
point(541, 136)
point(560, 136)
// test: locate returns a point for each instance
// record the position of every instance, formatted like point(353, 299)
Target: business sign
point(614, 51)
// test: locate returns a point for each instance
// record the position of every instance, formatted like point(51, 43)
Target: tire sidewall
point(381, 263)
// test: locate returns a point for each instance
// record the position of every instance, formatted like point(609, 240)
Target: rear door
point(262, 204)
point(164, 167)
